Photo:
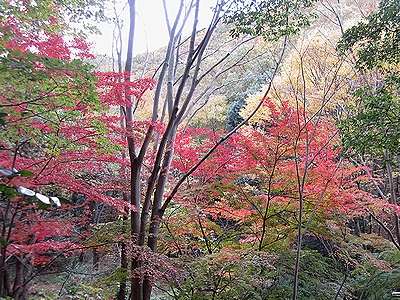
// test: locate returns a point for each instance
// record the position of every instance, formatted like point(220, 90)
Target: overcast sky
point(151, 31)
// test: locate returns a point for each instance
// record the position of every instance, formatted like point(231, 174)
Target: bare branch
point(223, 139)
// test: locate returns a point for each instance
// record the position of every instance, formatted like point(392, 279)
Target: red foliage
point(256, 179)
point(40, 41)
point(70, 147)
point(115, 90)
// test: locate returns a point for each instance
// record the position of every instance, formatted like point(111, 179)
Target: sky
point(151, 30)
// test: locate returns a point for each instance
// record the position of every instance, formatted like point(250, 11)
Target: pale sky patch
point(151, 30)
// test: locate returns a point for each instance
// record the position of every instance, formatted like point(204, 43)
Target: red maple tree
point(55, 144)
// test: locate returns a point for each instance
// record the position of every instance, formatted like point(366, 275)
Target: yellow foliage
point(212, 113)
point(145, 106)
point(252, 101)
point(313, 76)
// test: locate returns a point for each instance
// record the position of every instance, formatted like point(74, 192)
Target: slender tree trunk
point(2, 272)
point(135, 165)
point(124, 266)
point(153, 200)
point(136, 280)
point(95, 259)
point(22, 271)
point(124, 263)
point(18, 280)
point(393, 197)
point(298, 251)
point(7, 281)
point(4, 250)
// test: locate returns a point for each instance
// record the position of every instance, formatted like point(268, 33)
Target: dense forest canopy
point(256, 158)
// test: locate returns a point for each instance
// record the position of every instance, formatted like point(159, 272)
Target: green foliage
point(225, 275)
point(38, 15)
point(372, 265)
point(56, 81)
point(37, 103)
point(88, 292)
point(105, 235)
point(268, 19)
point(233, 117)
point(377, 39)
point(257, 275)
point(376, 285)
point(81, 11)
point(373, 126)
point(35, 18)
point(107, 285)
point(319, 277)
point(3, 117)
point(236, 274)
point(33, 93)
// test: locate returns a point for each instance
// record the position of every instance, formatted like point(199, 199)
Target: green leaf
point(373, 128)
point(3, 241)
point(3, 117)
point(42, 206)
point(25, 173)
point(377, 39)
point(64, 201)
point(268, 19)
point(9, 192)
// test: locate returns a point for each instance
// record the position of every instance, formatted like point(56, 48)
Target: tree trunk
point(124, 266)
point(2, 272)
point(135, 169)
point(22, 272)
point(4, 250)
point(393, 197)
point(153, 198)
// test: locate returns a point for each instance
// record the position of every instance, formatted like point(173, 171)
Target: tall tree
point(151, 199)
point(371, 128)
point(48, 104)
